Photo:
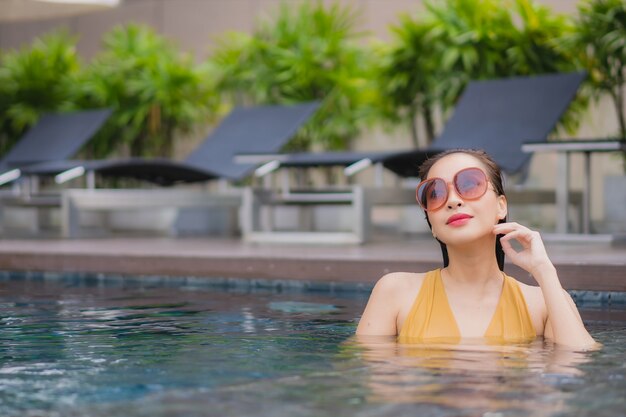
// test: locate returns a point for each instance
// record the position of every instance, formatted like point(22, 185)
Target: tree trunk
point(618, 101)
point(413, 123)
point(167, 147)
point(429, 123)
point(137, 145)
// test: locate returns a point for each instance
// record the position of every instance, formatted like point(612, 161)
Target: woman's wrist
point(545, 273)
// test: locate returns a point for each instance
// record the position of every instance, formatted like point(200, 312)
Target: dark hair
point(495, 177)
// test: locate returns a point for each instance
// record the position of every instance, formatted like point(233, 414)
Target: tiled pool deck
point(581, 266)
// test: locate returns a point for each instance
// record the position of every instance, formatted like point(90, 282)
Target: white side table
point(564, 149)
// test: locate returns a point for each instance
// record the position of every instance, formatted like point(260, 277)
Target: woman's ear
point(503, 207)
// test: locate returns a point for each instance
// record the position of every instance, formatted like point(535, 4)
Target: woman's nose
point(453, 199)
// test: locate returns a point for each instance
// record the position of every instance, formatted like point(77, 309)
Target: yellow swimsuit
point(432, 320)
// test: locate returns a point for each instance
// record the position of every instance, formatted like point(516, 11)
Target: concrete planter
point(318, 218)
point(615, 203)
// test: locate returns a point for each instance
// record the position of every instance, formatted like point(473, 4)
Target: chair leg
point(361, 209)
point(70, 221)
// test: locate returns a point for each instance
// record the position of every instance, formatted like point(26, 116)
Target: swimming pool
point(94, 346)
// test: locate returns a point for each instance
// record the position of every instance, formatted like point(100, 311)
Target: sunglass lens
point(471, 183)
point(432, 194)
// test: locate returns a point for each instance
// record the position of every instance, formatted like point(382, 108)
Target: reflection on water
point(83, 348)
point(471, 376)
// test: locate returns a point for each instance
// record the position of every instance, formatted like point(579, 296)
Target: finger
point(524, 235)
point(508, 227)
point(521, 236)
point(506, 246)
point(503, 228)
point(524, 241)
point(509, 250)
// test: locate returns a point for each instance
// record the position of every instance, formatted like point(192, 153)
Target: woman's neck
point(474, 265)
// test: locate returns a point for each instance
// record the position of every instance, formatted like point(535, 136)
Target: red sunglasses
point(469, 183)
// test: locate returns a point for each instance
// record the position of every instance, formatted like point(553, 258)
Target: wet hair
point(495, 177)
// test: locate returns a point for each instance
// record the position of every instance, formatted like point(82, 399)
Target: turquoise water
point(125, 347)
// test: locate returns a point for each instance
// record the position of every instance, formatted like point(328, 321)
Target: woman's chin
point(465, 236)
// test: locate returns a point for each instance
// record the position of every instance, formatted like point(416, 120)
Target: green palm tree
point(306, 53)
point(600, 36)
point(435, 54)
point(408, 75)
point(34, 80)
point(155, 92)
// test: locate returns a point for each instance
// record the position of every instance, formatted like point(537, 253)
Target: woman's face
point(463, 221)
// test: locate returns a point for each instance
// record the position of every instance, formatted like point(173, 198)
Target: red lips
point(456, 217)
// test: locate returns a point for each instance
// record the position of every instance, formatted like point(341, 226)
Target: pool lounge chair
point(55, 136)
point(260, 129)
point(495, 115)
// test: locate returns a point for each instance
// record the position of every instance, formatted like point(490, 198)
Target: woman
point(471, 297)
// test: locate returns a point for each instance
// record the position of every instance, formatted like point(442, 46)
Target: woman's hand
point(563, 322)
point(532, 257)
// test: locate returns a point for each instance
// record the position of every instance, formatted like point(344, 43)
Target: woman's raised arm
point(564, 324)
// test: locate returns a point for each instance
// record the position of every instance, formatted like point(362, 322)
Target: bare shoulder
point(532, 290)
point(532, 294)
point(399, 281)
point(385, 304)
point(398, 289)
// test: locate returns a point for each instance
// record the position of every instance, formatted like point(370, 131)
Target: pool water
point(129, 347)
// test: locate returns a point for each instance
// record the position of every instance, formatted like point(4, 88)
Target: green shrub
point(155, 93)
point(34, 80)
point(306, 53)
point(600, 37)
point(434, 55)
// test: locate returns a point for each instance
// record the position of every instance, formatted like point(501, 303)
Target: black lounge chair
point(260, 129)
point(55, 137)
point(495, 115)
